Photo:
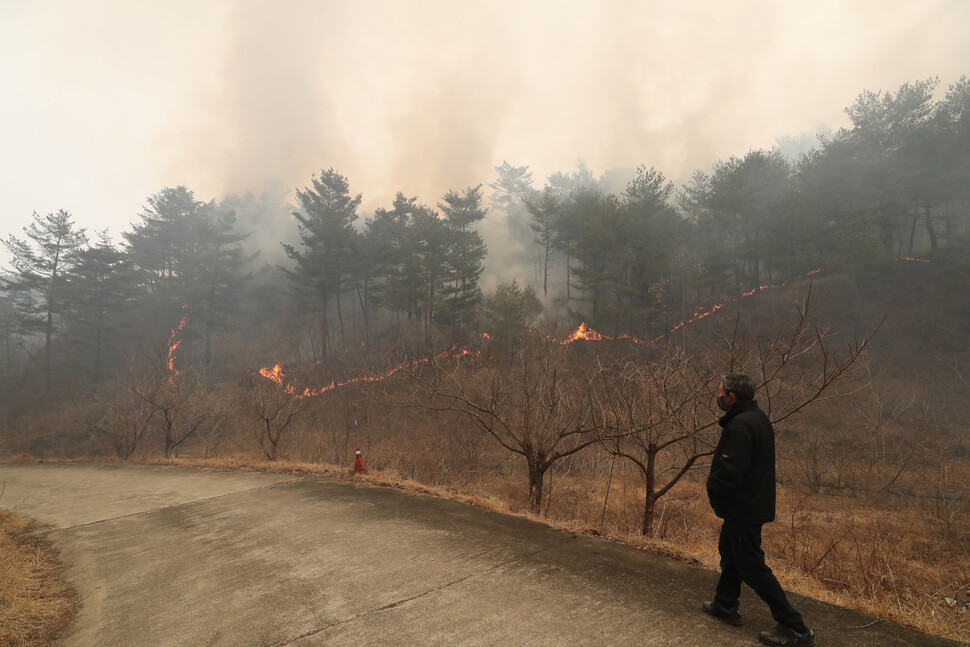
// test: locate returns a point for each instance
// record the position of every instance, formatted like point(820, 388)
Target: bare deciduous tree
point(533, 401)
point(651, 413)
point(276, 409)
point(656, 413)
point(126, 419)
point(880, 410)
point(180, 401)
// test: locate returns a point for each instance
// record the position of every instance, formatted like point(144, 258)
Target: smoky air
point(508, 252)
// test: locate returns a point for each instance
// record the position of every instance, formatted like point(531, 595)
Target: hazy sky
point(105, 102)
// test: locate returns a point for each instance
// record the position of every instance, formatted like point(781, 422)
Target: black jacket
point(741, 485)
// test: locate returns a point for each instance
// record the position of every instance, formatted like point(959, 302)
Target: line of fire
point(581, 333)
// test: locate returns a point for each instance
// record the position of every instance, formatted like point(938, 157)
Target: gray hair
point(739, 384)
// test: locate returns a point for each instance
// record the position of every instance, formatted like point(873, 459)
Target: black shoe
point(782, 636)
point(730, 616)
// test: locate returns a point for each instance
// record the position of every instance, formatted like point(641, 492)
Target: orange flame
point(706, 313)
point(276, 374)
point(583, 332)
point(173, 345)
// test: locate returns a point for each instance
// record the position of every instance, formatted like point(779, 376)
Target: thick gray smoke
point(111, 101)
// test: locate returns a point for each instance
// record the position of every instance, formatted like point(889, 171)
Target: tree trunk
point(207, 347)
point(738, 270)
point(47, 345)
point(50, 319)
point(340, 321)
point(568, 296)
point(912, 231)
point(428, 316)
point(324, 329)
point(930, 229)
point(545, 272)
point(648, 508)
point(363, 307)
point(536, 474)
point(169, 437)
point(274, 447)
point(97, 352)
point(649, 498)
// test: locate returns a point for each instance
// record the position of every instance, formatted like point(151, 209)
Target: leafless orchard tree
point(180, 401)
point(880, 411)
point(223, 407)
point(532, 400)
point(945, 484)
point(656, 410)
point(652, 413)
point(276, 409)
point(802, 364)
point(126, 419)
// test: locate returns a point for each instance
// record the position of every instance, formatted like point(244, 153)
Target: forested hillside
point(443, 337)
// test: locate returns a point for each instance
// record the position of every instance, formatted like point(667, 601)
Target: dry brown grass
point(889, 560)
point(36, 602)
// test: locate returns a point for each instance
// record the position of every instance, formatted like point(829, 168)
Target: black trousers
point(742, 560)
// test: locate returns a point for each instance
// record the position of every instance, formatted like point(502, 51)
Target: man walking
point(741, 489)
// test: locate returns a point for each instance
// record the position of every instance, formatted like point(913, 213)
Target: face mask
point(722, 403)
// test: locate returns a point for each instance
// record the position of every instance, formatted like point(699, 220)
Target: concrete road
point(172, 556)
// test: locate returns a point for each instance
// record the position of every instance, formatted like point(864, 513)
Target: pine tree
point(466, 254)
point(388, 241)
point(102, 287)
point(326, 235)
point(41, 263)
point(190, 260)
point(545, 209)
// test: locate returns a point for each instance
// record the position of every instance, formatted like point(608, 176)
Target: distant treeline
point(897, 183)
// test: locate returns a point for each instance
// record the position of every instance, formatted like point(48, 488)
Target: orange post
point(360, 467)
